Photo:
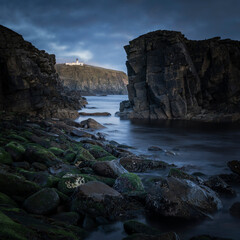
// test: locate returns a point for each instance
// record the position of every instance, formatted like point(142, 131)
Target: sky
point(95, 31)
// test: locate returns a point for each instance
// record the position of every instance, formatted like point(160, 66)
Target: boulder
point(128, 182)
point(95, 114)
point(71, 218)
point(91, 123)
point(234, 166)
point(5, 157)
point(182, 198)
point(137, 164)
point(43, 202)
point(163, 236)
point(235, 210)
point(111, 169)
point(16, 150)
point(218, 185)
point(16, 186)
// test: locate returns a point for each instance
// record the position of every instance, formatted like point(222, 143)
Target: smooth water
point(195, 146)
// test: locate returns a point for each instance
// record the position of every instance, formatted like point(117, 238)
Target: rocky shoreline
point(60, 181)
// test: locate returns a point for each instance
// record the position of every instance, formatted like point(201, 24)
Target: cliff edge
point(91, 80)
point(29, 82)
point(171, 77)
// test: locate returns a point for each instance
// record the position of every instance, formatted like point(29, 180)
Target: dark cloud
point(97, 30)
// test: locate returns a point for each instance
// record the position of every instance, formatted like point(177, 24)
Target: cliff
point(29, 82)
point(171, 77)
point(91, 80)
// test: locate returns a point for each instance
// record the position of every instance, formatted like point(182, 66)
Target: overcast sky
point(95, 31)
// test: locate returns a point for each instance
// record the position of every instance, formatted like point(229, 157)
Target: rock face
point(29, 82)
point(91, 80)
point(171, 77)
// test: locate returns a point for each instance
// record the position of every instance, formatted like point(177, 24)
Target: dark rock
point(234, 166)
point(71, 218)
point(91, 80)
point(5, 157)
point(163, 236)
point(230, 179)
point(39, 166)
point(89, 223)
point(29, 82)
point(137, 164)
point(208, 237)
point(112, 169)
point(24, 165)
point(13, 185)
point(133, 226)
point(43, 202)
point(91, 123)
point(128, 182)
point(95, 114)
point(16, 150)
point(235, 209)
point(155, 148)
point(182, 198)
point(218, 185)
point(172, 77)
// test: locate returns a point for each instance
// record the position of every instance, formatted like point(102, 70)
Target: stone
point(95, 114)
point(234, 166)
point(91, 123)
point(71, 218)
point(43, 202)
point(171, 77)
point(23, 165)
point(6, 200)
point(13, 185)
point(16, 150)
point(5, 157)
point(218, 185)
point(163, 236)
point(128, 182)
point(155, 148)
point(182, 198)
point(91, 80)
point(111, 169)
point(134, 163)
point(235, 210)
point(208, 237)
point(133, 226)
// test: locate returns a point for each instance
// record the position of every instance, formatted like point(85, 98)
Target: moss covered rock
point(128, 182)
point(42, 202)
point(11, 230)
point(6, 200)
point(16, 150)
point(13, 185)
point(84, 158)
point(174, 172)
point(5, 157)
point(56, 151)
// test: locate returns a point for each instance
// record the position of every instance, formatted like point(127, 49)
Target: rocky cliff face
point(173, 77)
point(90, 80)
point(29, 82)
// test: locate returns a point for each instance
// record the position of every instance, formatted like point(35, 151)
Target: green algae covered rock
point(128, 182)
point(13, 185)
point(6, 200)
point(16, 150)
point(56, 151)
point(5, 157)
point(43, 202)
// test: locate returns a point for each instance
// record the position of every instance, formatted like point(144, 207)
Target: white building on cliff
point(75, 63)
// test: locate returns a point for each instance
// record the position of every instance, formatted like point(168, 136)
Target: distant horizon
point(96, 31)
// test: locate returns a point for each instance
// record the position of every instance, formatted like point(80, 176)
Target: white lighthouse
point(75, 63)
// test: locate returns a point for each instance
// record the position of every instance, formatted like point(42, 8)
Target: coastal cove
point(198, 148)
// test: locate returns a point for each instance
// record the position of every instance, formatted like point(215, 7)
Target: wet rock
point(128, 182)
point(218, 185)
point(98, 199)
point(235, 210)
point(230, 179)
point(95, 114)
point(6, 200)
point(98, 152)
point(112, 169)
point(23, 165)
point(79, 133)
point(91, 123)
point(16, 150)
point(234, 166)
point(155, 148)
point(163, 236)
point(43, 202)
point(182, 198)
point(16, 186)
point(71, 218)
point(132, 227)
point(89, 223)
point(39, 166)
point(208, 237)
point(177, 173)
point(5, 157)
point(136, 164)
